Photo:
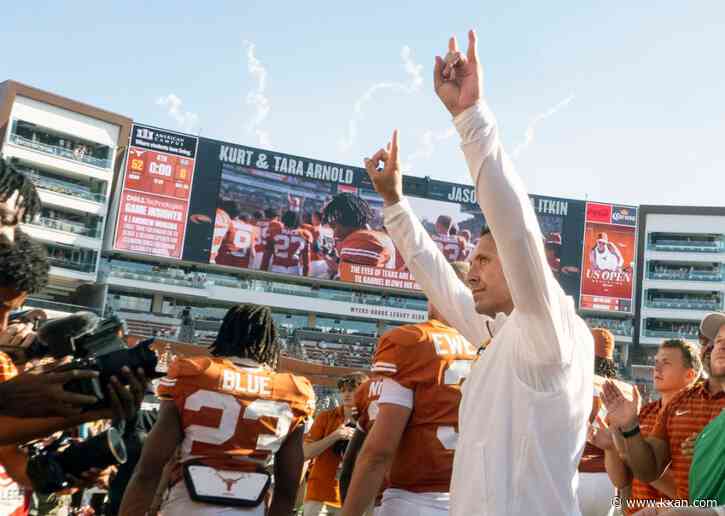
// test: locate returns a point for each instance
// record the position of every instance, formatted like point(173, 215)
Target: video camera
point(96, 344)
point(49, 467)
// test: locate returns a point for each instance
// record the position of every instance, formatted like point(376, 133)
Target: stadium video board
point(257, 209)
point(608, 256)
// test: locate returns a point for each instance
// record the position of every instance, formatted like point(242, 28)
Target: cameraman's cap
point(711, 324)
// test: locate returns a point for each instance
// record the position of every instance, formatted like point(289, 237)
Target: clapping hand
point(622, 413)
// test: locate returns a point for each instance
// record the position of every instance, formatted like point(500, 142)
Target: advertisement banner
point(608, 257)
point(154, 201)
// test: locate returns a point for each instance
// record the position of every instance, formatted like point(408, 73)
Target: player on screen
point(267, 223)
point(222, 224)
point(605, 255)
point(466, 236)
point(452, 246)
point(323, 243)
point(231, 415)
point(349, 217)
point(288, 249)
point(295, 203)
point(415, 431)
point(238, 247)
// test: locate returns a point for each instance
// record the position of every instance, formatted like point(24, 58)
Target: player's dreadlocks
point(348, 210)
point(248, 331)
point(23, 264)
point(11, 181)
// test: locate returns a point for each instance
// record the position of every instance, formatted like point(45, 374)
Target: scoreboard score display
point(154, 202)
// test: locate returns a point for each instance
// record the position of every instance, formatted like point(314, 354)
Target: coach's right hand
point(388, 180)
point(42, 394)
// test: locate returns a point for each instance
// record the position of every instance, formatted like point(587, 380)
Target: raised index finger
point(394, 147)
point(472, 52)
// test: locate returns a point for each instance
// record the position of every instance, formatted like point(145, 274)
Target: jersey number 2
point(456, 372)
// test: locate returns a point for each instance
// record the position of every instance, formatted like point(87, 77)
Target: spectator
point(677, 366)
point(321, 444)
point(679, 423)
point(707, 473)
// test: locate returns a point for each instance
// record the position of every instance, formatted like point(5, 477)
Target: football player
point(269, 224)
point(416, 428)
point(466, 235)
point(452, 246)
point(349, 217)
point(288, 249)
point(231, 414)
point(222, 223)
point(238, 247)
point(322, 243)
point(366, 406)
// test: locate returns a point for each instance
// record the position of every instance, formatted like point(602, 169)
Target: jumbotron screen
point(249, 208)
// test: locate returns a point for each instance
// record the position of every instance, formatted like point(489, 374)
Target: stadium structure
point(82, 161)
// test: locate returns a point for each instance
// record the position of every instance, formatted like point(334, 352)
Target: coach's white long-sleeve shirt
point(523, 416)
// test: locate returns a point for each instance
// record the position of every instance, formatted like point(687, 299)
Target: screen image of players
point(350, 216)
point(288, 247)
point(266, 222)
point(446, 237)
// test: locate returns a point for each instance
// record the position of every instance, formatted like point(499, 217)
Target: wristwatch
point(631, 432)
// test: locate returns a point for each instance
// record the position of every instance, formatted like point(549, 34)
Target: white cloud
point(530, 130)
point(412, 85)
point(173, 104)
point(426, 146)
point(257, 98)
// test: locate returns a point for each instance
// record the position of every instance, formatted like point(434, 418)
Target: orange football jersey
point(267, 227)
point(234, 417)
point(237, 247)
point(452, 246)
point(366, 403)
point(432, 360)
point(365, 247)
point(290, 247)
point(222, 222)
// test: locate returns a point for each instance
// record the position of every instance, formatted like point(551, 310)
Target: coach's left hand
point(388, 180)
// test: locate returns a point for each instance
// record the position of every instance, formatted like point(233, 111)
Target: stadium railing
point(60, 151)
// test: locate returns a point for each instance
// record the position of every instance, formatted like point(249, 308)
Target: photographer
point(326, 443)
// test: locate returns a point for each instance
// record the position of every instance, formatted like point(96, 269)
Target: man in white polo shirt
point(523, 416)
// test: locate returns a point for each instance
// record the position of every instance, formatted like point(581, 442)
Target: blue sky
point(634, 95)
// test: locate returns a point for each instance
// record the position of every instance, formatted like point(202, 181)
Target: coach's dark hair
point(291, 219)
point(248, 331)
point(258, 215)
point(271, 213)
point(348, 210)
point(12, 180)
point(605, 367)
point(485, 230)
point(23, 264)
